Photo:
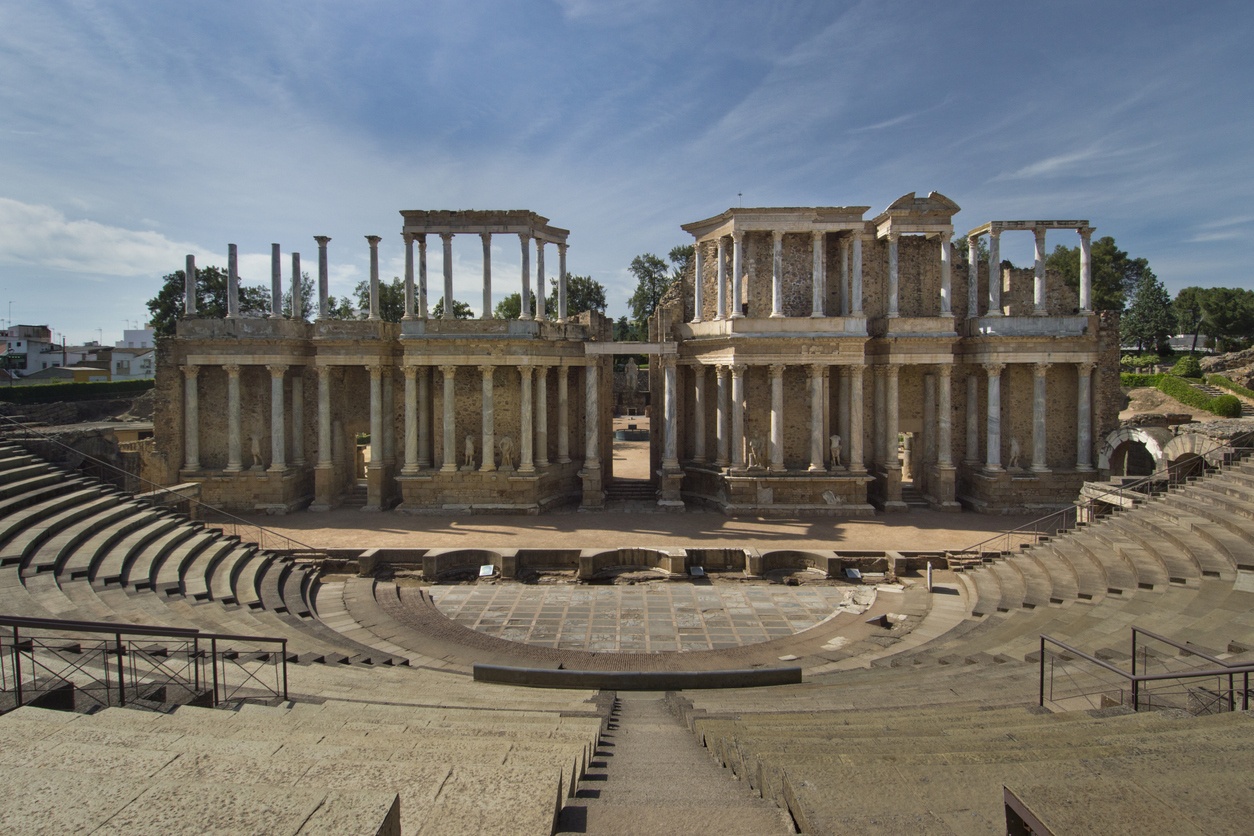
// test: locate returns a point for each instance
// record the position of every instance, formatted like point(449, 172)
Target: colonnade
point(279, 414)
point(1038, 228)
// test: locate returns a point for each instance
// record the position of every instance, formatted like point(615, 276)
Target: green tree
point(341, 308)
point(510, 307)
point(460, 310)
point(1115, 274)
point(391, 299)
point(1228, 316)
point(625, 330)
point(583, 293)
point(652, 282)
point(681, 259)
point(961, 250)
point(166, 308)
point(308, 305)
point(1189, 312)
point(1149, 319)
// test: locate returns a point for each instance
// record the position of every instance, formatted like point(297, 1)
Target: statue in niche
point(836, 449)
point(755, 456)
point(256, 451)
point(632, 374)
point(1014, 454)
point(468, 460)
point(507, 453)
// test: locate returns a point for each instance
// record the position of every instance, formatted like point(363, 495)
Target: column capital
point(738, 236)
point(277, 369)
point(1086, 232)
point(232, 369)
point(1086, 367)
point(446, 236)
point(524, 237)
point(994, 369)
point(322, 240)
point(893, 237)
point(407, 237)
point(526, 369)
point(487, 238)
point(777, 369)
point(410, 372)
point(376, 370)
point(1041, 369)
point(817, 234)
point(891, 371)
point(373, 240)
point(1039, 232)
point(721, 369)
point(421, 238)
point(945, 370)
point(816, 369)
point(562, 247)
point(777, 234)
point(448, 370)
point(994, 234)
point(191, 371)
point(738, 368)
point(487, 369)
point(857, 368)
point(324, 372)
point(973, 241)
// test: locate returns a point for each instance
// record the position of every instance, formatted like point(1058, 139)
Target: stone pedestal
point(325, 494)
point(671, 482)
point(943, 488)
point(593, 488)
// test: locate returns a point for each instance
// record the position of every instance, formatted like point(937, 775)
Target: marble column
point(698, 274)
point(894, 281)
point(777, 416)
point(276, 283)
point(525, 310)
point(777, 274)
point(189, 287)
point(424, 417)
point(298, 312)
point(844, 408)
point(973, 276)
point(324, 278)
point(449, 420)
point(992, 459)
point(408, 237)
point(278, 417)
point(816, 418)
point(944, 417)
point(973, 419)
point(670, 456)
point(373, 241)
point(698, 412)
point(720, 288)
point(994, 273)
point(234, 457)
point(891, 424)
point(526, 423)
point(561, 282)
point(1084, 417)
point(411, 420)
point(298, 418)
point(878, 409)
point(376, 416)
point(926, 451)
point(447, 240)
point(855, 372)
point(191, 418)
point(592, 411)
point(422, 275)
point(738, 416)
point(540, 300)
point(946, 297)
point(542, 416)
point(1086, 269)
point(486, 237)
point(818, 275)
point(389, 418)
point(324, 417)
point(1038, 279)
point(487, 450)
point(855, 286)
point(232, 281)
point(1039, 439)
point(738, 274)
point(563, 414)
point(722, 431)
point(844, 276)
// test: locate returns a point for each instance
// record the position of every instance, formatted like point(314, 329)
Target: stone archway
point(1134, 451)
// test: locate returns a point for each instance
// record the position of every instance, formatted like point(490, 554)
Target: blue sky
point(132, 133)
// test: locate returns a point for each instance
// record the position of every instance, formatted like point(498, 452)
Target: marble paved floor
point(646, 617)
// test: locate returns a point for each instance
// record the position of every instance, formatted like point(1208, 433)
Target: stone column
point(276, 283)
point(189, 287)
point(722, 432)
point(698, 411)
point(844, 408)
point(232, 281)
point(944, 417)
point(526, 423)
point(324, 417)
point(389, 418)
point(376, 416)
point(844, 276)
point(738, 416)
point(670, 456)
point(946, 300)
point(234, 458)
point(816, 418)
point(698, 291)
point(1039, 440)
point(994, 273)
point(488, 445)
point(422, 275)
point(561, 283)
point(738, 271)
point(540, 301)
point(818, 277)
point(855, 289)
point(878, 408)
point(592, 409)
point(1038, 280)
point(324, 297)
point(278, 417)
point(191, 418)
point(525, 309)
point(992, 460)
point(1084, 418)
point(424, 417)
point(973, 276)
point(449, 421)
point(487, 274)
point(777, 416)
point(893, 277)
point(1086, 269)
point(411, 420)
point(447, 239)
point(563, 414)
point(298, 312)
point(890, 417)
point(720, 290)
point(298, 418)
point(409, 275)
point(373, 241)
point(973, 420)
point(777, 274)
point(542, 416)
point(856, 373)
point(926, 450)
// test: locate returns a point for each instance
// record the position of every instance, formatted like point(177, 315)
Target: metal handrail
point(155, 488)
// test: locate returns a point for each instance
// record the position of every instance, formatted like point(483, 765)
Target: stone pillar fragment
point(234, 456)
point(189, 287)
point(540, 300)
point(777, 416)
point(486, 237)
point(777, 274)
point(992, 460)
point(411, 420)
point(738, 273)
point(1038, 280)
point(278, 417)
point(1084, 417)
point(447, 239)
point(526, 422)
point(232, 281)
point(738, 416)
point(816, 418)
point(561, 282)
point(324, 297)
point(422, 276)
point(563, 414)
point(373, 241)
point(525, 309)
point(191, 418)
point(488, 449)
point(298, 312)
point(698, 289)
point(409, 275)
point(994, 273)
point(449, 419)
point(276, 283)
point(1086, 270)
point(722, 429)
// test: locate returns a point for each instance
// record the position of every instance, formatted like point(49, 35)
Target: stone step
point(110, 566)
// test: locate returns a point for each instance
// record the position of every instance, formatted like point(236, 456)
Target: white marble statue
point(507, 453)
point(1014, 454)
point(836, 448)
point(470, 452)
point(755, 458)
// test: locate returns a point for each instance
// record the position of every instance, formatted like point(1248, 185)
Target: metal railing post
point(1134, 652)
point(1136, 694)
point(17, 665)
point(1041, 685)
point(283, 661)
point(213, 660)
point(121, 671)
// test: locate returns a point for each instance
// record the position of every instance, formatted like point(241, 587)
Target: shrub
point(1187, 367)
point(1226, 406)
point(1224, 383)
point(1180, 390)
point(56, 392)
point(1130, 380)
point(1143, 361)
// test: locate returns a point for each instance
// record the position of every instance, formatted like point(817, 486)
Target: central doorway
point(634, 484)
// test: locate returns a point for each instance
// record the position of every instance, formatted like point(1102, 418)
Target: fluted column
point(278, 417)
point(411, 420)
point(698, 290)
point(234, 457)
point(373, 241)
point(818, 275)
point(298, 418)
point(891, 423)
point(894, 280)
point(973, 276)
point(1038, 280)
point(1086, 269)
point(486, 237)
point(324, 279)
point(973, 419)
point(540, 300)
point(449, 420)
point(561, 282)
point(525, 309)
point(994, 273)
point(487, 374)
point(946, 297)
point(855, 269)
point(777, 416)
point(722, 430)
point(738, 416)
point(720, 289)
point(992, 460)
point(422, 275)
point(191, 418)
point(324, 417)
point(698, 412)
point(424, 417)
point(376, 416)
point(446, 239)
point(298, 312)
point(777, 273)
point(526, 423)
point(592, 410)
point(670, 456)
point(408, 237)
point(1039, 439)
point(738, 274)
point(232, 281)
point(563, 414)
point(1084, 417)
point(944, 417)
point(276, 283)
point(856, 373)
point(816, 417)
point(542, 416)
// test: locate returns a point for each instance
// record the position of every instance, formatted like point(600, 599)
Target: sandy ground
point(1147, 399)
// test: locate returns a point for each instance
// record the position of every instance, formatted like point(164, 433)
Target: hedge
point(55, 392)
point(1225, 406)
point(1224, 383)
point(1132, 380)
point(1187, 367)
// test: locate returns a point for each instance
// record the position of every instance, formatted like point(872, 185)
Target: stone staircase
point(630, 495)
point(1247, 408)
